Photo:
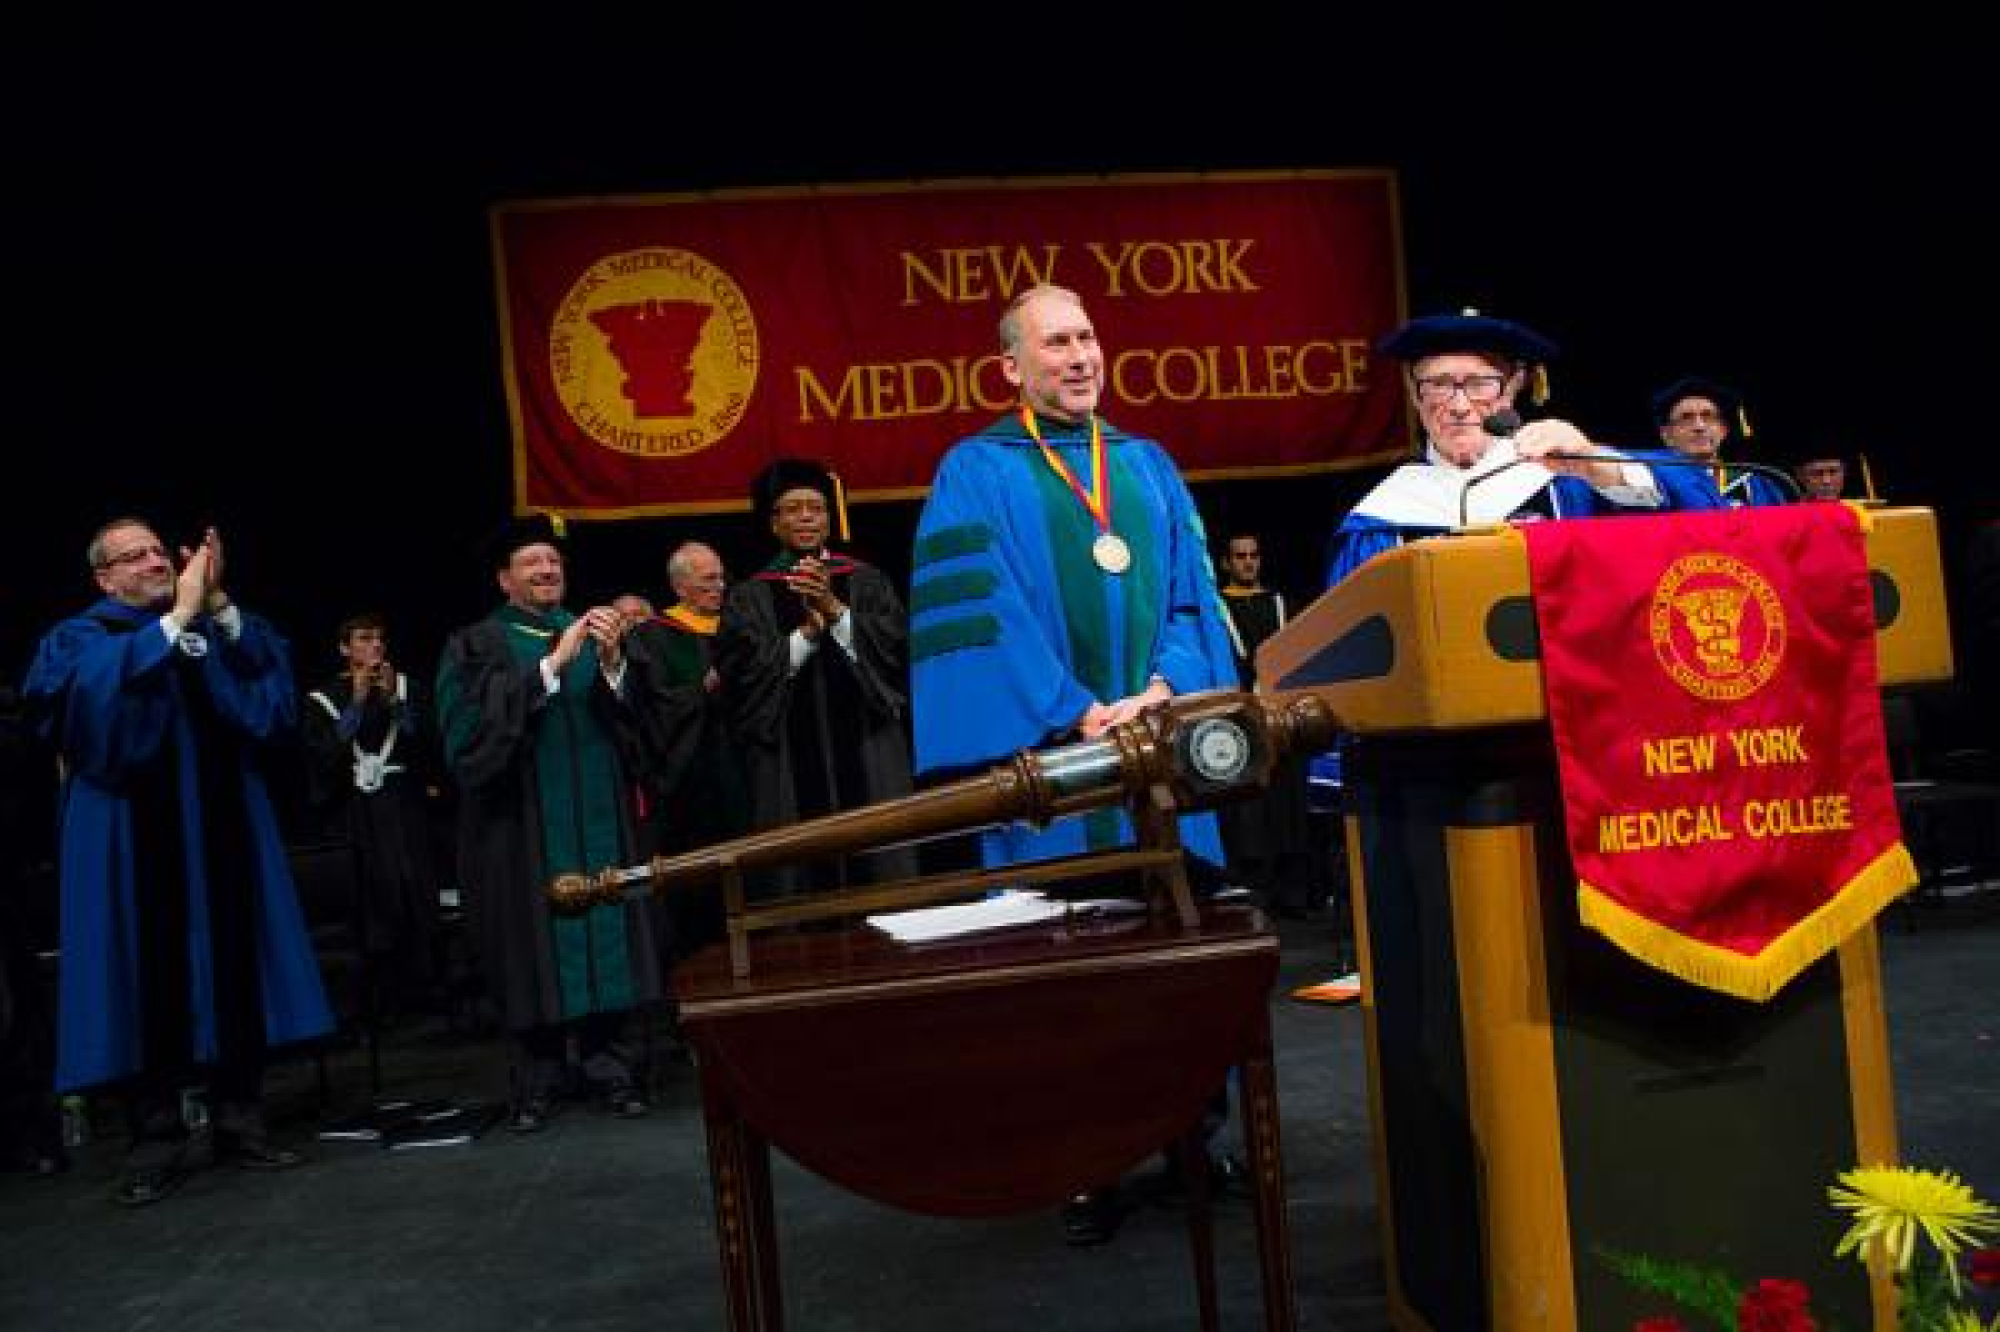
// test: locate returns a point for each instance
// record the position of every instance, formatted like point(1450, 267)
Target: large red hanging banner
point(660, 351)
point(1711, 687)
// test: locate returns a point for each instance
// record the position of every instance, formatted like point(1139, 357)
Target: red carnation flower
point(1984, 1267)
point(1775, 1306)
point(1663, 1323)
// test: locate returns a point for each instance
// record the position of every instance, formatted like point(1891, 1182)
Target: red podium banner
point(1718, 727)
point(660, 351)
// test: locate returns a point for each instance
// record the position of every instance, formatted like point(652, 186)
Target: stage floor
point(600, 1225)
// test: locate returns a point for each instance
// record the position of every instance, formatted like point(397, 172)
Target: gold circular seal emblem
point(1717, 627)
point(654, 352)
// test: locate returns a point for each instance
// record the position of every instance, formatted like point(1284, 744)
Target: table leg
point(1191, 1155)
point(739, 1170)
point(1259, 1092)
point(763, 1231)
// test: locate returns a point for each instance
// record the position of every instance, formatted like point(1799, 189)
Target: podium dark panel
point(1539, 1095)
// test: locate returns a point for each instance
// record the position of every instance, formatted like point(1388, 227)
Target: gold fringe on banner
point(1757, 978)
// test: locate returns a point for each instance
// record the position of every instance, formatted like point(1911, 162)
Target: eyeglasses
point(136, 555)
point(1438, 389)
point(1696, 417)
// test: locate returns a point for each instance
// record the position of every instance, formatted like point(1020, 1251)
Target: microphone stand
point(1791, 484)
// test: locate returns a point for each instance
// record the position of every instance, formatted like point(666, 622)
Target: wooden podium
point(1538, 1095)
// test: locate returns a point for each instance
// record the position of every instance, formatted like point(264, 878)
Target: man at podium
point(1481, 464)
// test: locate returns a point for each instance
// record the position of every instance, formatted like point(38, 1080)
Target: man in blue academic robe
point(1061, 582)
point(1060, 586)
point(184, 952)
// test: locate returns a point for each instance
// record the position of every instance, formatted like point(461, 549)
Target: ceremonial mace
point(1192, 752)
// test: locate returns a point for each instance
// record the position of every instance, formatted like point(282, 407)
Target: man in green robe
point(535, 725)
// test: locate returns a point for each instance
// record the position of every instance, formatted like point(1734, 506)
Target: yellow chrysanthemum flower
point(1892, 1203)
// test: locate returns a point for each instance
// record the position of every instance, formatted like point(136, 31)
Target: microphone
point(1508, 421)
point(1503, 424)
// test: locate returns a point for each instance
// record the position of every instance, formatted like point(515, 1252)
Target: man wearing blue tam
point(1695, 417)
point(1481, 464)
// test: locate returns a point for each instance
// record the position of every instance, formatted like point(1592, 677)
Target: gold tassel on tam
point(1743, 421)
point(1538, 386)
point(839, 506)
point(1867, 479)
point(560, 526)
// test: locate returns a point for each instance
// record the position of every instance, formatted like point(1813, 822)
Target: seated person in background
point(1695, 418)
point(1463, 373)
point(1822, 476)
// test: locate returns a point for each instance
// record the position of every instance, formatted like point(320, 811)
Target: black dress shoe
point(1230, 1176)
point(254, 1151)
point(530, 1116)
point(1091, 1218)
point(35, 1159)
point(142, 1188)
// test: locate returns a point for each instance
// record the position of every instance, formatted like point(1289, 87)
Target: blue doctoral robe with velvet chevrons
point(1015, 631)
point(113, 694)
point(1721, 486)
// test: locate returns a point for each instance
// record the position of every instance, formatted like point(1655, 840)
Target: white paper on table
point(1007, 909)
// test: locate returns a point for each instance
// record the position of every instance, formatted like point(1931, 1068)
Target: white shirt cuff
point(800, 648)
point(1634, 489)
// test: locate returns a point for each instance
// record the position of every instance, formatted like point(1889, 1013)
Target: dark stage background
point(249, 277)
